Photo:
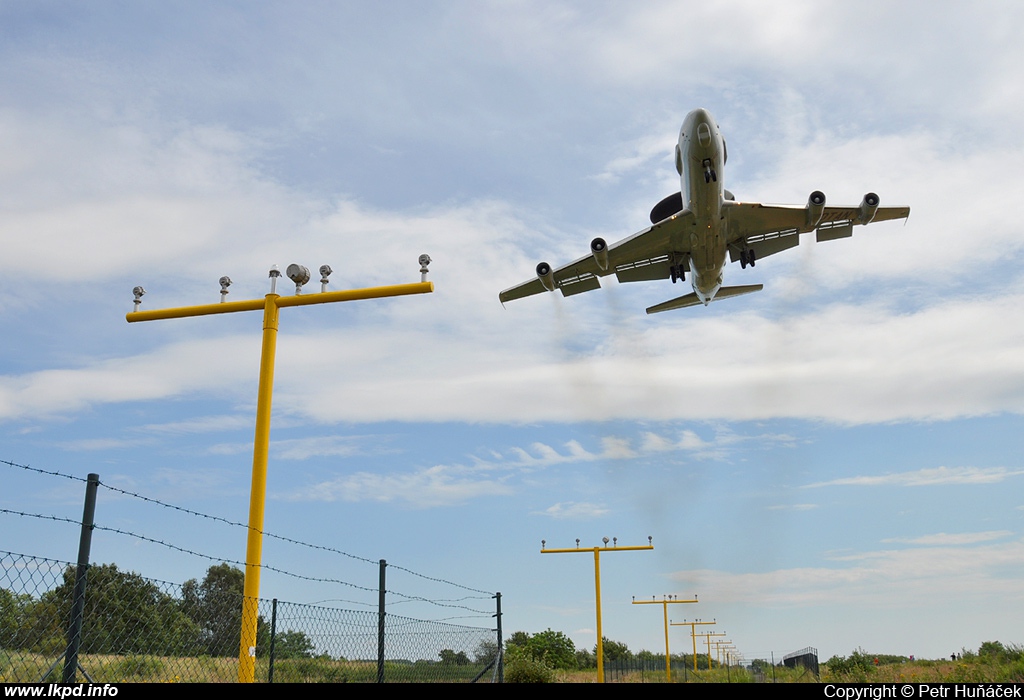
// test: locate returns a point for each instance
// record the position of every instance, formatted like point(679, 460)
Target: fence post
point(380, 624)
point(78, 599)
point(501, 646)
point(273, 637)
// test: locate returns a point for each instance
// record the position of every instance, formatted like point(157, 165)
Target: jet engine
point(673, 204)
point(599, 248)
point(868, 207)
point(546, 276)
point(815, 208)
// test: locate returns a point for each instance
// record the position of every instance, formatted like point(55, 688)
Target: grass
point(22, 667)
point(25, 667)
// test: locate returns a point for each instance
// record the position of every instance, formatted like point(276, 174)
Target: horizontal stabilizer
point(692, 299)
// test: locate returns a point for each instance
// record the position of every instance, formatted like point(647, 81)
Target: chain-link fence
point(138, 629)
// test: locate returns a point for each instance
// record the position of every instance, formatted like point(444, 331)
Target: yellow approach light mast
point(597, 583)
point(693, 636)
point(271, 305)
point(668, 600)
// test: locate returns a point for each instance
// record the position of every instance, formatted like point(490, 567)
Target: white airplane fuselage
point(700, 160)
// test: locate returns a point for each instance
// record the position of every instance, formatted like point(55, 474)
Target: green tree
point(216, 606)
point(553, 648)
point(451, 658)
point(124, 614)
point(649, 656)
point(485, 651)
point(517, 639)
point(614, 651)
point(584, 659)
point(293, 644)
point(14, 619)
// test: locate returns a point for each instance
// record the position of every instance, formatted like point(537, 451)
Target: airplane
point(693, 230)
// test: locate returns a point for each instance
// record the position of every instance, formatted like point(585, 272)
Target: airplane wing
point(767, 229)
point(646, 255)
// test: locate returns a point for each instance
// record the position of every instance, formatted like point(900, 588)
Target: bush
point(135, 667)
point(520, 667)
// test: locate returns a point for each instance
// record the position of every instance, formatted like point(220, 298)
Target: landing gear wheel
point(714, 176)
point(744, 258)
point(672, 273)
point(707, 176)
point(751, 258)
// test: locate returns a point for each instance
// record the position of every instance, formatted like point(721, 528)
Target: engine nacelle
point(599, 247)
point(673, 204)
point(546, 276)
point(868, 207)
point(815, 208)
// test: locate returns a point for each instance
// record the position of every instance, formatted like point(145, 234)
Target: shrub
point(520, 667)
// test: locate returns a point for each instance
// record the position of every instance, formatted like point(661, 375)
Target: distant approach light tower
point(270, 304)
point(665, 602)
point(597, 583)
point(707, 638)
point(693, 634)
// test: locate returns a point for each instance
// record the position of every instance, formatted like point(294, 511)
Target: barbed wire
point(41, 471)
point(444, 603)
point(277, 570)
point(291, 540)
point(41, 516)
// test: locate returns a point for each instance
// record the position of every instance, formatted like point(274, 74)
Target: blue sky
point(833, 462)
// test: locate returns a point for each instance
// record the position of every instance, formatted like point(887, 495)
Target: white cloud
point(202, 424)
point(182, 203)
point(94, 444)
point(879, 579)
point(928, 477)
point(943, 539)
point(328, 446)
point(423, 488)
point(571, 510)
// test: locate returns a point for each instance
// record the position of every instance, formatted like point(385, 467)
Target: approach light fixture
point(274, 274)
point(299, 274)
point(424, 260)
point(605, 540)
point(325, 272)
point(138, 292)
point(225, 282)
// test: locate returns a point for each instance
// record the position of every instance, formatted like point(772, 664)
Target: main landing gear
point(677, 273)
point(747, 257)
point(709, 172)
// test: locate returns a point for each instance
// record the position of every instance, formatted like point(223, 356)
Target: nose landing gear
point(709, 172)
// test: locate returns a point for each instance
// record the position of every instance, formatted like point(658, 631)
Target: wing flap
point(644, 270)
point(578, 285)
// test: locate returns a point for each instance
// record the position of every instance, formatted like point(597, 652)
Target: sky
point(833, 462)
